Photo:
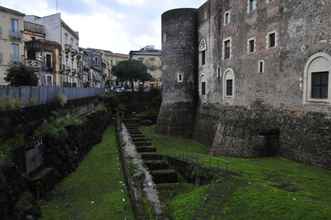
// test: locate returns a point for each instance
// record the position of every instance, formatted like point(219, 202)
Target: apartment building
point(58, 31)
point(42, 55)
point(151, 57)
point(11, 40)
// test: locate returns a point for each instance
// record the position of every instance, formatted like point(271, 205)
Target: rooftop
point(11, 11)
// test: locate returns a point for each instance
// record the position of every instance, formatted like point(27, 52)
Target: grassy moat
point(95, 191)
point(266, 188)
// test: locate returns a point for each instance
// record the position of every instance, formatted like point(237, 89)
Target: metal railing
point(43, 95)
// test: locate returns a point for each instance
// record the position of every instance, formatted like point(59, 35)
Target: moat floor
point(95, 191)
point(266, 188)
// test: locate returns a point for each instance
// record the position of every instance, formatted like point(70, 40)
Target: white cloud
point(131, 2)
point(103, 27)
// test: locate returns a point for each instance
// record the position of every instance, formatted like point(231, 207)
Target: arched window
point(202, 49)
point(228, 84)
point(317, 79)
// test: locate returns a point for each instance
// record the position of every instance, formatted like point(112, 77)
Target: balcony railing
point(36, 64)
point(36, 28)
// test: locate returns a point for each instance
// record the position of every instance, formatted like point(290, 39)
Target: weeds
point(56, 126)
point(10, 104)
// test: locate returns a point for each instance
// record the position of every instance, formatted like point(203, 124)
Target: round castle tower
point(179, 77)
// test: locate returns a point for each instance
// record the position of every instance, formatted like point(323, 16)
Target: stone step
point(157, 164)
point(131, 123)
point(137, 136)
point(133, 120)
point(132, 127)
point(134, 130)
point(141, 139)
point(135, 133)
point(151, 156)
point(142, 143)
point(146, 149)
point(164, 176)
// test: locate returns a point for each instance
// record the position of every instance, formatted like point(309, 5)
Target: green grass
point(266, 188)
point(95, 191)
point(173, 145)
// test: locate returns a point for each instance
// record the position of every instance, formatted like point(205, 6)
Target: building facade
point(11, 40)
point(252, 77)
point(112, 59)
point(42, 55)
point(151, 57)
point(58, 31)
point(96, 66)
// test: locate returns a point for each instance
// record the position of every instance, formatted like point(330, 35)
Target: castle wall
point(270, 112)
point(179, 28)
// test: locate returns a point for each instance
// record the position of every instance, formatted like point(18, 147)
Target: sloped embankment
point(96, 190)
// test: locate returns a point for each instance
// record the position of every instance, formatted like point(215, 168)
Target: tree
point(131, 71)
point(21, 75)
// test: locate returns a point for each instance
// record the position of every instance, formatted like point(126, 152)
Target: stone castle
point(250, 78)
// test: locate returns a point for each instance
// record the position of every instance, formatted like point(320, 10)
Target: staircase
point(156, 164)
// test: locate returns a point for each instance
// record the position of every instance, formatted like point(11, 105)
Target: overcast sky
point(116, 25)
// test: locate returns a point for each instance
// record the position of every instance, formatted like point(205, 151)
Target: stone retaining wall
point(264, 131)
point(62, 155)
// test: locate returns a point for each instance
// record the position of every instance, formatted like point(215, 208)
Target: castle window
point(203, 57)
point(261, 66)
point(251, 5)
point(228, 84)
point(180, 77)
point(227, 17)
point(317, 79)
point(218, 72)
point(319, 85)
point(251, 45)
point(203, 88)
point(272, 40)
point(229, 87)
point(202, 49)
point(227, 48)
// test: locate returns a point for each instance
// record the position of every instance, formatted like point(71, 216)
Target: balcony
point(35, 28)
point(14, 35)
point(35, 64)
point(38, 66)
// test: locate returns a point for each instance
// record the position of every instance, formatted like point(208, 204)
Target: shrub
point(21, 75)
point(56, 126)
point(10, 104)
point(101, 107)
point(6, 146)
point(61, 100)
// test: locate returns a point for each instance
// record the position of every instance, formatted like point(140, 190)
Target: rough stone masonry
point(250, 77)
